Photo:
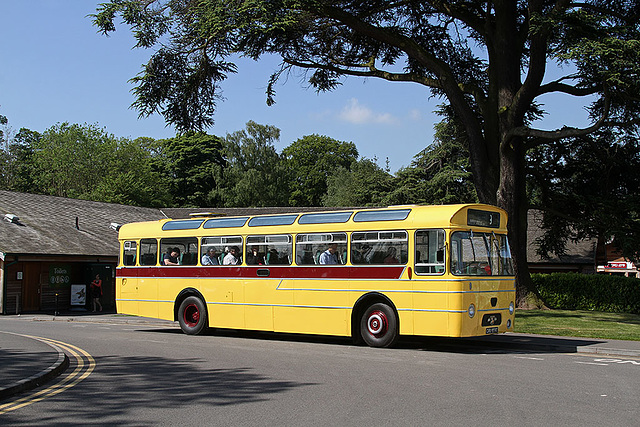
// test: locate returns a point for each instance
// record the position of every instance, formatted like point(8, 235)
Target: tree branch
point(461, 13)
point(446, 80)
point(629, 19)
point(557, 86)
point(372, 72)
point(537, 59)
point(541, 136)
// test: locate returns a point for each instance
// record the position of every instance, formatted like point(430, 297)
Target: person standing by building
point(96, 292)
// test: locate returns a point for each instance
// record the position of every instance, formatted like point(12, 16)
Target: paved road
point(150, 374)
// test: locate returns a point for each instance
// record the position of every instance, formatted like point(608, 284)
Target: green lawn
point(590, 324)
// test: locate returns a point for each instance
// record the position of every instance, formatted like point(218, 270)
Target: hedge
point(597, 292)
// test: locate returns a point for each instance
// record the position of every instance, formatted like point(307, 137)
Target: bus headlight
point(511, 308)
point(472, 310)
point(508, 323)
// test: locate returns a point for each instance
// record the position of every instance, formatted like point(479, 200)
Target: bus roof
point(400, 217)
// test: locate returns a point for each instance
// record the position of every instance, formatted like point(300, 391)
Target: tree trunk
point(513, 198)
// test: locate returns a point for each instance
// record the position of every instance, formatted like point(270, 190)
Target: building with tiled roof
point(48, 244)
point(46, 238)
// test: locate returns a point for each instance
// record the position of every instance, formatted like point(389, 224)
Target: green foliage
point(131, 179)
point(82, 161)
point(588, 188)
point(364, 184)
point(256, 174)
point(599, 292)
point(16, 159)
point(72, 159)
point(311, 160)
point(19, 171)
point(190, 167)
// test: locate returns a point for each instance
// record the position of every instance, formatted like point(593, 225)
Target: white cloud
point(358, 114)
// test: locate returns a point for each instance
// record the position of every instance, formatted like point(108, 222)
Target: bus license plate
point(492, 330)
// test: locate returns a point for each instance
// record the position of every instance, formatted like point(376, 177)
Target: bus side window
point(186, 247)
point(277, 249)
point(379, 247)
point(148, 252)
point(310, 247)
point(213, 249)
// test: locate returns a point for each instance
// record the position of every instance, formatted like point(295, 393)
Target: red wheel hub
point(377, 323)
point(191, 315)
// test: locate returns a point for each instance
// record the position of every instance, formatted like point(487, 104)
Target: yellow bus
point(372, 274)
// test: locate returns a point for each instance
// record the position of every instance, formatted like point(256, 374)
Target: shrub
point(598, 292)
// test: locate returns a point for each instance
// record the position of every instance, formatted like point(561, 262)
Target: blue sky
point(55, 67)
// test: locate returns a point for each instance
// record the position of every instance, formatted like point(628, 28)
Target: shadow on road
point(505, 343)
point(150, 382)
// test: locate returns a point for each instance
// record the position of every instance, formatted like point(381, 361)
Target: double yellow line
point(85, 364)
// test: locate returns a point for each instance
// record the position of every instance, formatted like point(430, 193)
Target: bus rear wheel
point(192, 316)
point(379, 325)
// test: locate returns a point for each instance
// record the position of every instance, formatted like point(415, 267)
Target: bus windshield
point(480, 254)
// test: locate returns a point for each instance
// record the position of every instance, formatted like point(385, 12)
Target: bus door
point(127, 280)
point(146, 287)
point(269, 258)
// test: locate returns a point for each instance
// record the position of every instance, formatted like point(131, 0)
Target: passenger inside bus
point(255, 258)
point(232, 257)
point(171, 257)
point(391, 256)
point(330, 257)
point(210, 258)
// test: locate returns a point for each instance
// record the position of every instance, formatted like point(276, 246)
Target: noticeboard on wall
point(78, 295)
point(59, 275)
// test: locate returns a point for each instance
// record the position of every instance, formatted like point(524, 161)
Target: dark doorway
point(108, 299)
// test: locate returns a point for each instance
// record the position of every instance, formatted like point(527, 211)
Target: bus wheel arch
point(375, 321)
point(190, 310)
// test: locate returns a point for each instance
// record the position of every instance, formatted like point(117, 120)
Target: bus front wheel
point(192, 316)
point(379, 325)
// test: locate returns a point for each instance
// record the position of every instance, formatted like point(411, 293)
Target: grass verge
point(589, 324)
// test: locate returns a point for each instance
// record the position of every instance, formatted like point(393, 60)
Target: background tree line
point(588, 187)
point(242, 169)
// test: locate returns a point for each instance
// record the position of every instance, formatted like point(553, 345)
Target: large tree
point(487, 58)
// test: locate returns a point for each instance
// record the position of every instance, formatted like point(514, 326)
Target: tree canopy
point(256, 174)
point(488, 59)
point(312, 159)
point(190, 166)
point(588, 187)
point(363, 184)
point(82, 161)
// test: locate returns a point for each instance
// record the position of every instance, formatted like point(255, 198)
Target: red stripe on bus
point(274, 272)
